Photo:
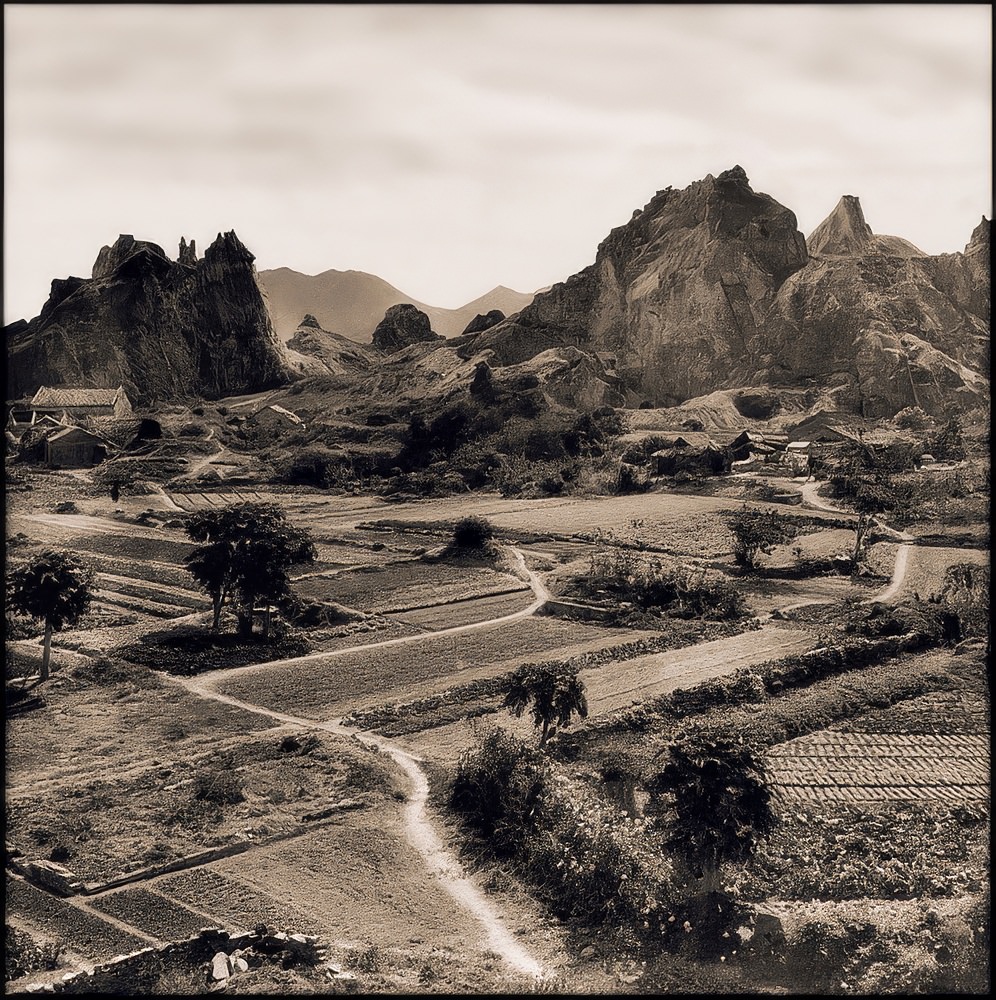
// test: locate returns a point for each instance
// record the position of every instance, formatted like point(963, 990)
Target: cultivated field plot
point(927, 564)
point(675, 523)
point(400, 586)
point(205, 501)
point(252, 790)
point(137, 722)
point(862, 767)
point(436, 617)
point(326, 687)
point(83, 932)
point(153, 914)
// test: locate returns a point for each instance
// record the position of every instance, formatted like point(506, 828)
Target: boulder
point(402, 326)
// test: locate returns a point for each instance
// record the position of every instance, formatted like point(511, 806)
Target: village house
point(74, 448)
point(75, 406)
point(691, 452)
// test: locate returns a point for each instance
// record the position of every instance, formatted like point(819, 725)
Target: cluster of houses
point(75, 428)
point(694, 451)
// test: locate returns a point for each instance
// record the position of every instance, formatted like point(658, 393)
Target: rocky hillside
point(713, 287)
point(314, 351)
point(352, 303)
point(884, 324)
point(163, 329)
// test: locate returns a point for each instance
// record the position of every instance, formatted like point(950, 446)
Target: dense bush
point(473, 534)
point(313, 465)
point(497, 788)
point(219, 783)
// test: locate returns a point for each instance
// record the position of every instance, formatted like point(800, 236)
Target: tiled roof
point(75, 397)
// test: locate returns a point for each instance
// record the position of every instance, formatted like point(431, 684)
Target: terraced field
point(861, 767)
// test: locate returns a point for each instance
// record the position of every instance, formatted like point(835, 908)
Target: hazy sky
point(451, 148)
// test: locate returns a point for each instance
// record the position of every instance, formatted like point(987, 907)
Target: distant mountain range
point(352, 303)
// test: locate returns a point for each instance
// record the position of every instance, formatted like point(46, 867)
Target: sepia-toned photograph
point(497, 499)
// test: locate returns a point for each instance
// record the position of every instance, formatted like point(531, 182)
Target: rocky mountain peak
point(228, 246)
point(979, 243)
point(125, 247)
point(309, 321)
point(843, 231)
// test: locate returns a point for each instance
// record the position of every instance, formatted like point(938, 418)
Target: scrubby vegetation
point(632, 580)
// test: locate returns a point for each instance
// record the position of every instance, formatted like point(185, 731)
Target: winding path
point(419, 829)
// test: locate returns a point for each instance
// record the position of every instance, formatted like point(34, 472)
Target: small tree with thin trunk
point(555, 692)
point(757, 532)
point(55, 588)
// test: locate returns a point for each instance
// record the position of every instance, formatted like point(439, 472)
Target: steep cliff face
point(713, 287)
point(675, 294)
point(163, 329)
point(884, 323)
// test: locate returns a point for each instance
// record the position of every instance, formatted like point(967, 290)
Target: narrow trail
point(419, 829)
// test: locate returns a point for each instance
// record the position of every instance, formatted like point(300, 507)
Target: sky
point(452, 148)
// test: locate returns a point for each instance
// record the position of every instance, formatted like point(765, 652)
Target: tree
point(721, 807)
point(56, 588)
point(556, 694)
point(246, 552)
point(757, 532)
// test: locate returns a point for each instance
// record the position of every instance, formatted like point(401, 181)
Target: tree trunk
point(545, 733)
point(46, 653)
point(266, 623)
point(217, 600)
point(244, 615)
point(859, 537)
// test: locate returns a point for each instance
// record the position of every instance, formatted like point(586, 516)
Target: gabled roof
point(76, 397)
point(58, 435)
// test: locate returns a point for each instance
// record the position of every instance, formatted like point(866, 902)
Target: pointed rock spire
point(843, 231)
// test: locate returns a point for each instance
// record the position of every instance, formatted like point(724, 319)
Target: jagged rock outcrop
point(713, 287)
point(675, 293)
point(163, 329)
point(314, 351)
point(887, 326)
point(402, 326)
point(484, 321)
point(845, 233)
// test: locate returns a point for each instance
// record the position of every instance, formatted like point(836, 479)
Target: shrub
point(757, 532)
point(473, 533)
point(497, 788)
point(24, 956)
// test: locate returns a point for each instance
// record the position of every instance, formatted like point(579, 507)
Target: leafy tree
point(115, 477)
point(757, 532)
point(247, 551)
point(55, 587)
point(555, 692)
point(721, 807)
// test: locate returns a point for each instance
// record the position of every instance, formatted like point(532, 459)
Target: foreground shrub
point(497, 789)
point(719, 802)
